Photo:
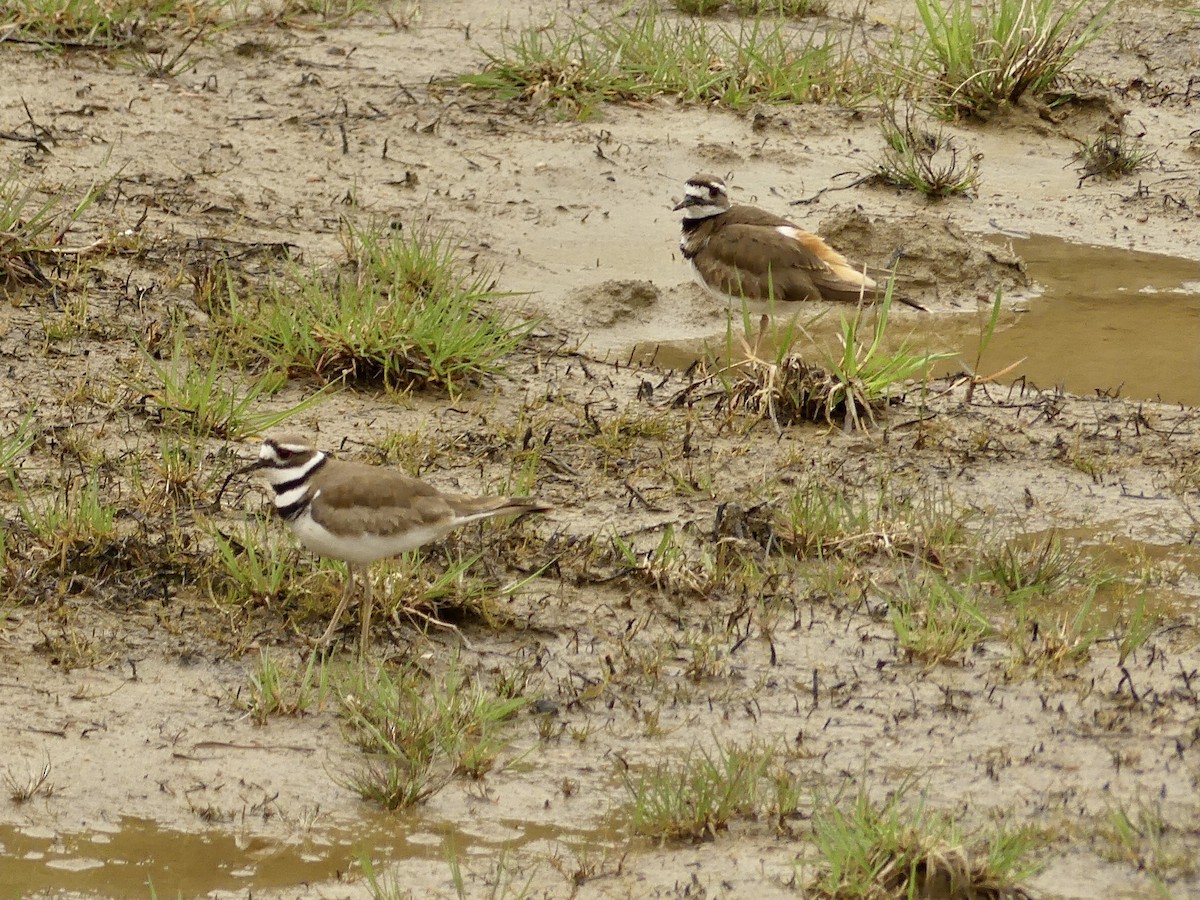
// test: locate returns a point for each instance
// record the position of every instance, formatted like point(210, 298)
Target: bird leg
point(347, 592)
point(764, 325)
point(365, 640)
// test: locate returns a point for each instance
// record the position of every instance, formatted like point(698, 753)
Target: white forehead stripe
point(271, 451)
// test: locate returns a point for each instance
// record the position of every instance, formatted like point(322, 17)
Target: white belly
point(363, 548)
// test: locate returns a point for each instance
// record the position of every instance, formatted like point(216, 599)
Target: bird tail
point(913, 303)
point(488, 507)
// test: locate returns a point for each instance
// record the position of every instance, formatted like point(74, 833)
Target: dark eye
point(284, 454)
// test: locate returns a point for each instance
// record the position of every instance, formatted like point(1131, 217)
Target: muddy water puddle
point(139, 856)
point(1117, 321)
point(1162, 579)
point(1120, 322)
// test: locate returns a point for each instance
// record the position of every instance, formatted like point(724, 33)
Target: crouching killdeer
point(742, 252)
point(361, 513)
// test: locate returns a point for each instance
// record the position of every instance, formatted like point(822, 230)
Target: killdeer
point(360, 513)
point(742, 252)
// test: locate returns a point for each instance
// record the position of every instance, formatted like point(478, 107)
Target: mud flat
point(971, 625)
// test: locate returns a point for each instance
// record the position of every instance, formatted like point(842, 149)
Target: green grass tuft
point(857, 378)
point(252, 563)
point(897, 850)
point(1111, 156)
point(418, 734)
point(864, 377)
point(983, 56)
point(937, 621)
point(699, 7)
point(15, 446)
point(1034, 566)
point(101, 23)
point(647, 54)
point(791, 8)
point(284, 690)
point(924, 161)
point(109, 24)
point(75, 526)
point(206, 400)
point(400, 314)
point(698, 796)
point(32, 230)
point(1149, 840)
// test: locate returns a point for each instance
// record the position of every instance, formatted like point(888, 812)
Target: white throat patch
point(704, 211)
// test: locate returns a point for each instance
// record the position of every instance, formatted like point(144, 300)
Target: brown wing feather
point(390, 501)
point(386, 498)
point(798, 269)
point(752, 215)
point(737, 279)
point(806, 268)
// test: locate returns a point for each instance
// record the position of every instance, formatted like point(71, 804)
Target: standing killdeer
point(742, 252)
point(360, 513)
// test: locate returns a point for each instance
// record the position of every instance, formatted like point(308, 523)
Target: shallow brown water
point(1160, 576)
point(140, 854)
point(1110, 320)
point(1121, 322)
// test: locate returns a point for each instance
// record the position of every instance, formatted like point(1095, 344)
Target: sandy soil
point(273, 138)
